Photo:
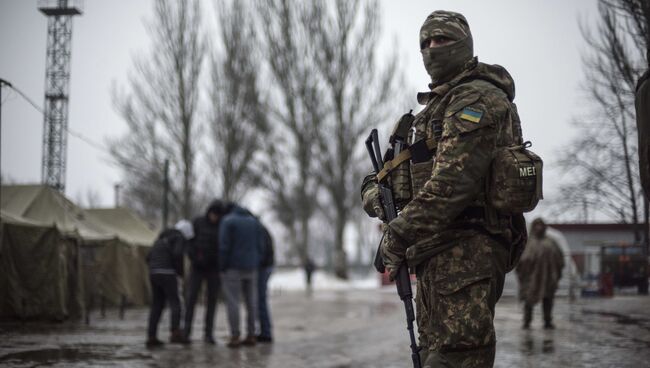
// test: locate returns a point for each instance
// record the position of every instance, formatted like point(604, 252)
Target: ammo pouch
point(515, 181)
point(399, 179)
point(397, 170)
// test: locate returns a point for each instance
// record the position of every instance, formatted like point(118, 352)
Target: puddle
point(621, 318)
point(73, 354)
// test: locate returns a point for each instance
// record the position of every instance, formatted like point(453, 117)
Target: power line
point(73, 133)
point(81, 137)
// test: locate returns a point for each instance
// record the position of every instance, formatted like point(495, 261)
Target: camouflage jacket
point(466, 117)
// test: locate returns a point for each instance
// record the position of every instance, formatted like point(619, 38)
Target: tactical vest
point(514, 182)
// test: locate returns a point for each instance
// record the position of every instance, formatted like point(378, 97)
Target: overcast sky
point(539, 42)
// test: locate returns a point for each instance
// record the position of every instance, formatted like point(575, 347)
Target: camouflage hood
point(495, 74)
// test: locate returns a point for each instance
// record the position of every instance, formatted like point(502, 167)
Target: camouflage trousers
point(457, 291)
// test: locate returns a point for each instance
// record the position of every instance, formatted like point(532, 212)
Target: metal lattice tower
point(57, 84)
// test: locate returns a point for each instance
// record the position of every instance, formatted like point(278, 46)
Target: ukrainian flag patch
point(472, 115)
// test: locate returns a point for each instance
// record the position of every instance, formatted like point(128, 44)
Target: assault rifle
point(402, 279)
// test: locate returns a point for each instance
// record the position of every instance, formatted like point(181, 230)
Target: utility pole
point(117, 187)
point(165, 209)
point(2, 84)
point(59, 15)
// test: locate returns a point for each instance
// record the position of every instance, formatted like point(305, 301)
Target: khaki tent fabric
point(41, 274)
point(126, 224)
point(111, 262)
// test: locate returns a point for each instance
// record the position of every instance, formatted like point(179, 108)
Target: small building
point(585, 241)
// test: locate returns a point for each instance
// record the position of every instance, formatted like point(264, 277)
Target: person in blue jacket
point(241, 246)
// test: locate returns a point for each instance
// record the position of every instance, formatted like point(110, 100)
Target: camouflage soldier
point(459, 246)
point(539, 272)
point(643, 124)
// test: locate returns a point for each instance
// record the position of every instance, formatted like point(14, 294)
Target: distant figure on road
point(203, 252)
point(309, 267)
point(241, 243)
point(264, 273)
point(165, 261)
point(539, 271)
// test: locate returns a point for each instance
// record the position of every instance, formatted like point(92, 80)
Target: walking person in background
point(165, 261)
point(309, 267)
point(539, 271)
point(203, 252)
point(264, 273)
point(241, 242)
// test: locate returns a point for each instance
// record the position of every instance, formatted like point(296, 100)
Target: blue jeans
point(235, 282)
point(263, 306)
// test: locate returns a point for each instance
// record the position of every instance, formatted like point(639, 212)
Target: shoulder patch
point(471, 114)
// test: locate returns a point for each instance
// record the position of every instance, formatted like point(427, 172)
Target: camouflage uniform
point(458, 246)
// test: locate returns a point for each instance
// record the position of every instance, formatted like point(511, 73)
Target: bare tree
point(162, 100)
point(602, 161)
point(237, 121)
point(140, 155)
point(296, 112)
point(357, 94)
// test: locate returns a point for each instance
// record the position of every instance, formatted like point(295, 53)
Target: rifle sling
point(420, 151)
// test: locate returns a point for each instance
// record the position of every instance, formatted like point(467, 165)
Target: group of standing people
point(229, 250)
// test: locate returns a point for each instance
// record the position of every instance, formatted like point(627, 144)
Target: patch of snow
point(294, 279)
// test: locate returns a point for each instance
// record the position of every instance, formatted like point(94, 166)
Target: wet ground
point(340, 329)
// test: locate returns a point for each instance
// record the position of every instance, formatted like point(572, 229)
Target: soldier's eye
point(441, 40)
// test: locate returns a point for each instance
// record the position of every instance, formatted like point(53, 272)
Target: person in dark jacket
point(165, 261)
point(241, 242)
point(203, 252)
point(264, 273)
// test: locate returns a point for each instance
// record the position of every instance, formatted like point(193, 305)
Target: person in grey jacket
point(165, 261)
point(241, 242)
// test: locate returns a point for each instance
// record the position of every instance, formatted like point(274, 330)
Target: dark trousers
point(164, 288)
point(263, 305)
point(547, 308)
point(197, 277)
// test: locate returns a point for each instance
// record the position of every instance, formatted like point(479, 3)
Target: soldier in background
point(539, 271)
point(461, 249)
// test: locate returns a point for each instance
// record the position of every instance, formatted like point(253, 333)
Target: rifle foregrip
point(403, 283)
point(379, 261)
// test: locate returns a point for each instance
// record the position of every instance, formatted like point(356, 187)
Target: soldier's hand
point(370, 198)
point(393, 251)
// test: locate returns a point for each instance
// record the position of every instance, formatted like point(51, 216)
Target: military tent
point(127, 226)
point(41, 275)
point(112, 262)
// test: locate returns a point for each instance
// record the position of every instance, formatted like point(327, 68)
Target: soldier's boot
point(547, 305)
point(528, 316)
